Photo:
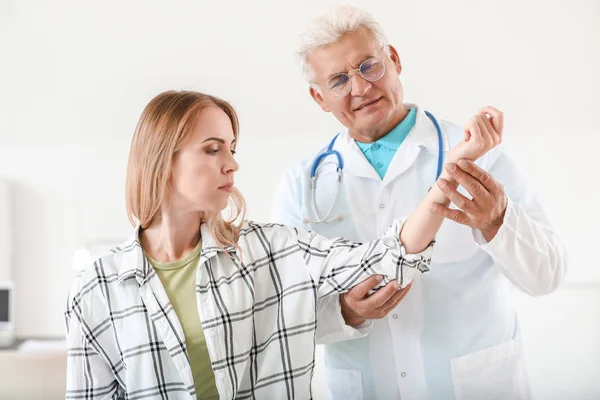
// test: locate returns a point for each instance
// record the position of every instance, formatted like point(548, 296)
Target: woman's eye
point(233, 152)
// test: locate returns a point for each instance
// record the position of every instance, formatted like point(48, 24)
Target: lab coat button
point(403, 374)
point(395, 316)
point(382, 206)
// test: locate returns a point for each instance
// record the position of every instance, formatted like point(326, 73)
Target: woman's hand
point(482, 133)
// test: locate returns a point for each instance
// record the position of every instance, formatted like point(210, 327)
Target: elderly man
point(455, 334)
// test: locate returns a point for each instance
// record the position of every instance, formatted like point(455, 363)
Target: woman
point(194, 306)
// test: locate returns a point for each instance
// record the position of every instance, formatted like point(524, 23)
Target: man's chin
point(370, 123)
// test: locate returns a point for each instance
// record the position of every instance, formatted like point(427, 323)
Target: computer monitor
point(7, 313)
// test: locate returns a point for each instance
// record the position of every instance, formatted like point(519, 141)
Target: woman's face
point(202, 173)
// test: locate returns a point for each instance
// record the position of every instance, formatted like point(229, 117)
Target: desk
point(19, 341)
point(14, 346)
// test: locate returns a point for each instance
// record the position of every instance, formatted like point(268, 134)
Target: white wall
point(74, 77)
point(5, 232)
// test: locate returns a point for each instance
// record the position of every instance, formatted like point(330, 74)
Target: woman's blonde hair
point(162, 130)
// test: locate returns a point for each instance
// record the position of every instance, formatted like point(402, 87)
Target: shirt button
point(395, 316)
point(382, 206)
point(379, 165)
point(222, 375)
point(375, 146)
point(403, 374)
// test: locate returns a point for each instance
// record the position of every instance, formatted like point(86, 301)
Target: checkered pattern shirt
point(258, 312)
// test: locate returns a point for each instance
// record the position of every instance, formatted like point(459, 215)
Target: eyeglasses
point(370, 70)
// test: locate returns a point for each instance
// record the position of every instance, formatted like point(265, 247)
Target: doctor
point(455, 335)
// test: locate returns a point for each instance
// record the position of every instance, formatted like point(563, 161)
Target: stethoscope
point(340, 166)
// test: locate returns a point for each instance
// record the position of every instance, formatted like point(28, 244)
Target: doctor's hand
point(358, 305)
point(482, 133)
point(487, 208)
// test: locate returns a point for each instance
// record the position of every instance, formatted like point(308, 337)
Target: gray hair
point(330, 27)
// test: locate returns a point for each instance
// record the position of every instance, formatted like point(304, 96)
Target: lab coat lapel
point(355, 161)
point(422, 137)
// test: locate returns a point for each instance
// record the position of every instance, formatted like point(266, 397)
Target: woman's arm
point(482, 133)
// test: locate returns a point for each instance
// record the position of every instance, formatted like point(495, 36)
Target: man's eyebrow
point(343, 72)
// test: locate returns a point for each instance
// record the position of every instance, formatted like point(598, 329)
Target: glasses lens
point(373, 69)
point(339, 83)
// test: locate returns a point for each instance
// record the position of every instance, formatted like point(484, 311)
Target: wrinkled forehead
point(348, 52)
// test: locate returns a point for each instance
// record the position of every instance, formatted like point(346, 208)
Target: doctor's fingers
point(395, 300)
point(497, 118)
point(481, 176)
point(455, 215)
point(454, 196)
point(360, 291)
point(380, 298)
point(472, 184)
point(380, 303)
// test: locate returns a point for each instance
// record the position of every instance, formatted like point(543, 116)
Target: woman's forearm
point(423, 224)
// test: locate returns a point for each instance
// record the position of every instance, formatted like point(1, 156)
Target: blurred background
point(75, 76)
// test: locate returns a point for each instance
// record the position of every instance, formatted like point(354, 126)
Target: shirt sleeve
point(332, 327)
point(89, 376)
point(527, 249)
point(338, 264)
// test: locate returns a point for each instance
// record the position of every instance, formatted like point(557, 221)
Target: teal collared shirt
point(380, 153)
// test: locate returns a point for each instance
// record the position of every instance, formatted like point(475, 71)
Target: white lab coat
point(456, 334)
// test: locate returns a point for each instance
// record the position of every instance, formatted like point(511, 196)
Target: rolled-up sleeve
point(337, 265)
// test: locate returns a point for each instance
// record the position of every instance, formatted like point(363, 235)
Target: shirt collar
point(210, 247)
point(134, 262)
point(396, 136)
point(425, 134)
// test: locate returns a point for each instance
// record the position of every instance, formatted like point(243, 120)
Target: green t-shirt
point(179, 280)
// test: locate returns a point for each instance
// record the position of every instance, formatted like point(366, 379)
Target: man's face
point(370, 109)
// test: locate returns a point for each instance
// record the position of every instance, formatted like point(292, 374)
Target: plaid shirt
point(258, 314)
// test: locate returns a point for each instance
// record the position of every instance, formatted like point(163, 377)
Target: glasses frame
point(380, 60)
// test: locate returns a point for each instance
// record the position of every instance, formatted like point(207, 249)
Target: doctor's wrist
point(354, 322)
